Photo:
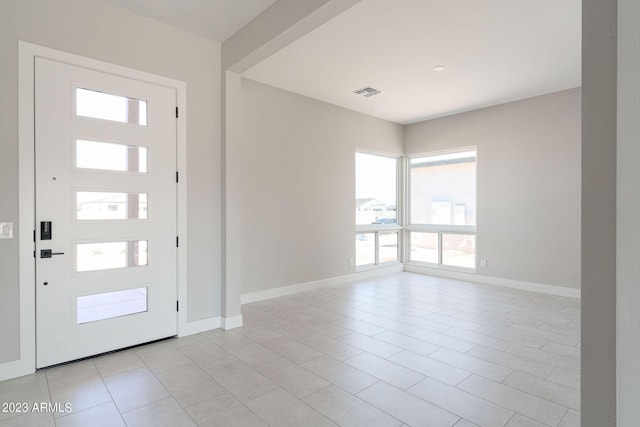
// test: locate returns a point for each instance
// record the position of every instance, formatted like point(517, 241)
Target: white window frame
point(435, 228)
point(377, 229)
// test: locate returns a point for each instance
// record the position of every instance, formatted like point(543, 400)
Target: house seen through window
point(376, 210)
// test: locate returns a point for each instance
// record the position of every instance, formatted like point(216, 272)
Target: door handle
point(48, 253)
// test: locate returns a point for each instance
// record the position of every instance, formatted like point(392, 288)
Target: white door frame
point(26, 184)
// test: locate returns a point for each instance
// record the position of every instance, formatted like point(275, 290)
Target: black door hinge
point(34, 236)
point(177, 177)
point(34, 254)
point(177, 241)
point(177, 305)
point(176, 112)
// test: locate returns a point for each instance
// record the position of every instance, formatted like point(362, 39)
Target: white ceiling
point(216, 20)
point(495, 51)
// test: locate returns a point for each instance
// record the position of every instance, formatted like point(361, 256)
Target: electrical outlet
point(483, 263)
point(351, 262)
point(6, 230)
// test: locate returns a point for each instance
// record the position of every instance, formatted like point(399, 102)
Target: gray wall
point(528, 183)
point(94, 29)
point(628, 212)
point(599, 104)
point(298, 185)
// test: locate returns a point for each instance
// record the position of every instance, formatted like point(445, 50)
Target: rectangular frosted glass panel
point(388, 247)
point(112, 157)
point(443, 189)
point(108, 305)
point(459, 250)
point(375, 189)
point(110, 255)
point(100, 105)
point(424, 247)
point(101, 205)
point(365, 249)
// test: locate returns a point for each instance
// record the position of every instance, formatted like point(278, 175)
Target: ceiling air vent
point(367, 91)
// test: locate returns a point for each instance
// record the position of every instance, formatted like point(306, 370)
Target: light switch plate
point(6, 230)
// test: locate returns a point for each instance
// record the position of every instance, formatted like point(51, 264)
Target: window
point(107, 305)
point(109, 255)
point(443, 189)
point(98, 205)
point(387, 246)
point(112, 157)
point(365, 249)
point(442, 213)
point(104, 106)
point(459, 250)
point(375, 189)
point(424, 247)
point(376, 213)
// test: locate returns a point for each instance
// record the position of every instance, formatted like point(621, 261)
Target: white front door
point(105, 212)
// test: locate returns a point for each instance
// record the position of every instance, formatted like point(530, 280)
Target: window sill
point(370, 228)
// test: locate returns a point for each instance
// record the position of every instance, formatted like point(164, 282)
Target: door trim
point(27, 53)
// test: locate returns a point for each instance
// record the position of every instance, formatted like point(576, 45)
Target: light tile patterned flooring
point(401, 350)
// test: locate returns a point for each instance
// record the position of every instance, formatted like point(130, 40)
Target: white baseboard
point(496, 281)
point(10, 370)
point(232, 322)
point(204, 325)
point(316, 284)
point(198, 326)
point(15, 369)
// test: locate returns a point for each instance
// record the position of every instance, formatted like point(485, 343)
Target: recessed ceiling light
point(367, 91)
point(439, 68)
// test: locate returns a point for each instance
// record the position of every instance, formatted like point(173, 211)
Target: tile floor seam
point(477, 397)
point(510, 418)
point(530, 394)
point(475, 373)
point(382, 410)
point(471, 349)
point(564, 416)
point(549, 333)
point(518, 356)
point(252, 411)
point(364, 372)
point(538, 396)
point(166, 389)
point(48, 388)
point(239, 397)
point(514, 342)
point(95, 406)
point(535, 360)
point(368, 387)
point(298, 399)
point(400, 366)
point(431, 403)
point(242, 403)
point(557, 383)
point(363, 401)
